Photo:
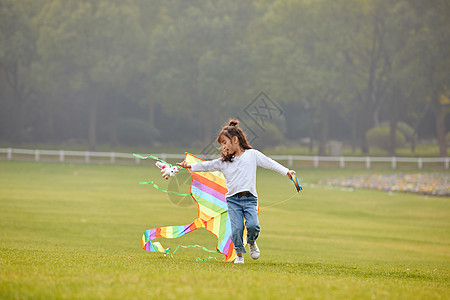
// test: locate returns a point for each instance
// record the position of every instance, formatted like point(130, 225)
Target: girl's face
point(230, 145)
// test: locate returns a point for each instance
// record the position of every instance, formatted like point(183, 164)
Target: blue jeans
point(240, 206)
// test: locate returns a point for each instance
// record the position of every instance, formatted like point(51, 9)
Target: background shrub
point(135, 132)
point(379, 137)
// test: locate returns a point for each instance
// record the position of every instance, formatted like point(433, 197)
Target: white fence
point(315, 161)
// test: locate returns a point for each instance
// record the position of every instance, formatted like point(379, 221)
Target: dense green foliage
point(379, 137)
point(74, 232)
point(72, 70)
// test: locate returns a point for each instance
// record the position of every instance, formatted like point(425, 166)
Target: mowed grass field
point(73, 231)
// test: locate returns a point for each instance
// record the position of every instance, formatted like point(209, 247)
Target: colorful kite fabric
point(208, 189)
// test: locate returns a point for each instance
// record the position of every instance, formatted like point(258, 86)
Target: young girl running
point(238, 165)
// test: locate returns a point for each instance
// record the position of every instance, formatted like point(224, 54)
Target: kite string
point(155, 158)
point(162, 190)
point(281, 202)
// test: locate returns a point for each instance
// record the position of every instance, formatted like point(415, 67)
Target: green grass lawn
point(74, 231)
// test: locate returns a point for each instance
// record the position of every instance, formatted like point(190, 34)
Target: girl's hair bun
point(233, 123)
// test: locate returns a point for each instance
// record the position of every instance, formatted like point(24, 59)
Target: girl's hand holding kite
point(290, 173)
point(184, 164)
point(293, 177)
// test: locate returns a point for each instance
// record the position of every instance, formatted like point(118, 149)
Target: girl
point(238, 165)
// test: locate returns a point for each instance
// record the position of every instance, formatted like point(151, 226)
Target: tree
point(431, 44)
point(89, 49)
point(17, 52)
point(197, 62)
point(305, 49)
point(399, 24)
point(370, 61)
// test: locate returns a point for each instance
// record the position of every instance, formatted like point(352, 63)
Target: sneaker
point(254, 250)
point(239, 260)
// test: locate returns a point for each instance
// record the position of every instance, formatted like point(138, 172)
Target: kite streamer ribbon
point(162, 190)
point(153, 183)
point(151, 156)
point(194, 246)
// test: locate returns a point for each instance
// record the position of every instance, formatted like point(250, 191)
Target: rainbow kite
point(208, 189)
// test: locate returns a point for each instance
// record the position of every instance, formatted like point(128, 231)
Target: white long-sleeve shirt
point(240, 174)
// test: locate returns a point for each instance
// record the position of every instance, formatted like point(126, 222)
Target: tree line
point(171, 72)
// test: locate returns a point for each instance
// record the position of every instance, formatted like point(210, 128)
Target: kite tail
point(169, 232)
point(151, 156)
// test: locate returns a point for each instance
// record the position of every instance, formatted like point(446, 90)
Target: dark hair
point(231, 130)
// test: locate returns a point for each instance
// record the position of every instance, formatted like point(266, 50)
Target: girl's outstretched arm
point(207, 165)
point(268, 163)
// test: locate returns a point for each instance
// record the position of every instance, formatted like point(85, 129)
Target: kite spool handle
point(296, 184)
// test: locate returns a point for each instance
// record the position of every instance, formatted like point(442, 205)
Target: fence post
point(367, 162)
point(289, 161)
point(316, 161)
point(446, 162)
point(342, 163)
point(419, 163)
point(394, 162)
point(36, 155)
point(113, 157)
point(9, 155)
point(86, 157)
point(61, 156)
